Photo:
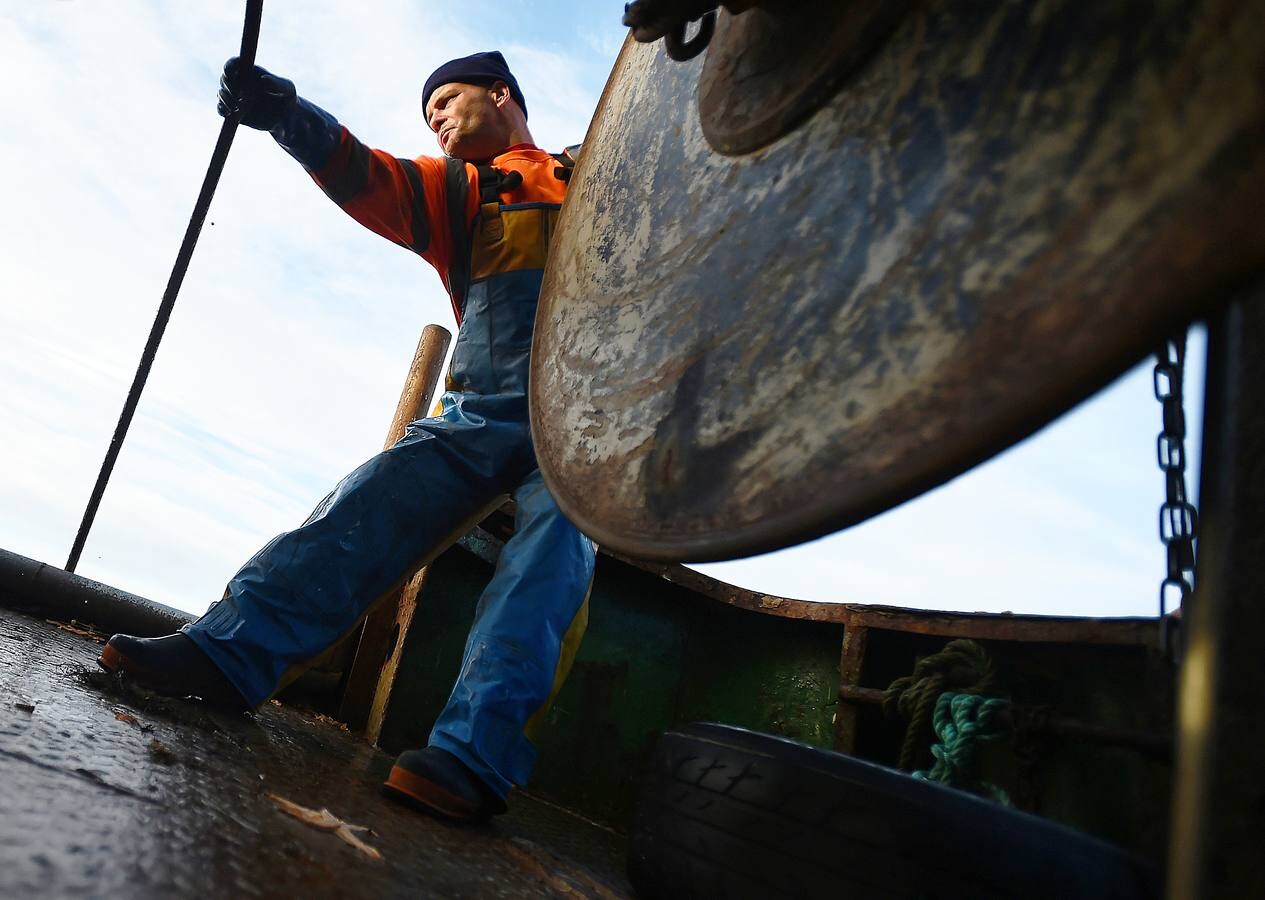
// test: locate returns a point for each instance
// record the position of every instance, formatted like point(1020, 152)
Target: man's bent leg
point(309, 587)
point(526, 629)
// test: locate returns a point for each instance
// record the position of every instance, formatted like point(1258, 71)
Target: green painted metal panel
point(770, 674)
point(432, 651)
point(620, 697)
point(658, 655)
point(655, 655)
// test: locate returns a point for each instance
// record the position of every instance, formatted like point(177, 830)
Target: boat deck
point(109, 791)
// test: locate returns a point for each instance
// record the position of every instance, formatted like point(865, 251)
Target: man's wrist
point(308, 133)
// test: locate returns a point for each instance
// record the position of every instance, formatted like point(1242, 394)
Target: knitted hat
point(478, 68)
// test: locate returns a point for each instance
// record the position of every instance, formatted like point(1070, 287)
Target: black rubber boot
point(172, 665)
point(437, 782)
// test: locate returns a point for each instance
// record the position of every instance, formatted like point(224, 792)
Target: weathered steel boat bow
point(999, 211)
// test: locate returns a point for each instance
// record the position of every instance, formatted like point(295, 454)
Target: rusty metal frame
point(1159, 746)
point(859, 620)
point(851, 661)
point(1124, 631)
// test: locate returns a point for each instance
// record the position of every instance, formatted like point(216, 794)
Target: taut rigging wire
point(250, 43)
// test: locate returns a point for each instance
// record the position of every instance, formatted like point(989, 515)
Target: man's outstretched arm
point(400, 199)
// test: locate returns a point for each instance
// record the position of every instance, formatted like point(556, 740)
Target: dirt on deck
point(109, 791)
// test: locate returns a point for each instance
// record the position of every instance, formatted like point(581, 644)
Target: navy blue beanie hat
point(477, 68)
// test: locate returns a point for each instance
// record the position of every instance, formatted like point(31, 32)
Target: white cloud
point(1064, 524)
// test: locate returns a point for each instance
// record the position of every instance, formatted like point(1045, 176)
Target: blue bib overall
point(309, 587)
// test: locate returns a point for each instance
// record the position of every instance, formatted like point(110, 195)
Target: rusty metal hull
point(1001, 210)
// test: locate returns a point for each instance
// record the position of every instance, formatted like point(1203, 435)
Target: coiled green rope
point(962, 666)
point(962, 722)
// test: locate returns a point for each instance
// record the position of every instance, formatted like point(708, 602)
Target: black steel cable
point(250, 43)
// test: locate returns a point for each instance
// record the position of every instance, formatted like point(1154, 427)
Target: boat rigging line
point(250, 43)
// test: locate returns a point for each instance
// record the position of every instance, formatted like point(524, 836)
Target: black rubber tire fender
point(729, 813)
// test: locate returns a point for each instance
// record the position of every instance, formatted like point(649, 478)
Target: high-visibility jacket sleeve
point(404, 200)
point(308, 133)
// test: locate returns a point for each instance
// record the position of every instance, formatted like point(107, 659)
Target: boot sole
point(428, 796)
point(113, 661)
point(116, 663)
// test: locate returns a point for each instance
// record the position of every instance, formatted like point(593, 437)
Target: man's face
point(467, 119)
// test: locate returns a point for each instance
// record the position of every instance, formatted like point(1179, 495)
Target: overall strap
point(492, 183)
point(566, 162)
point(458, 190)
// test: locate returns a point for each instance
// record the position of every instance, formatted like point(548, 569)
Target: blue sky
point(292, 335)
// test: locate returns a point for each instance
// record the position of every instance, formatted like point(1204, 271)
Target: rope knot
point(962, 723)
point(962, 666)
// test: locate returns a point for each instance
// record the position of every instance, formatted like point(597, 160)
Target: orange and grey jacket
point(430, 205)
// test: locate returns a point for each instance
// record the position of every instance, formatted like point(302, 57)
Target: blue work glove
point(264, 100)
point(269, 103)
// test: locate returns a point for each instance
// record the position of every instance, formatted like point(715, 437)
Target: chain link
point(1179, 521)
point(654, 19)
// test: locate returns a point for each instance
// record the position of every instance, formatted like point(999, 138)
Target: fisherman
point(482, 216)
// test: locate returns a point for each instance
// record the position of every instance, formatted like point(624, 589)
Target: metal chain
point(653, 19)
point(1179, 521)
point(667, 19)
